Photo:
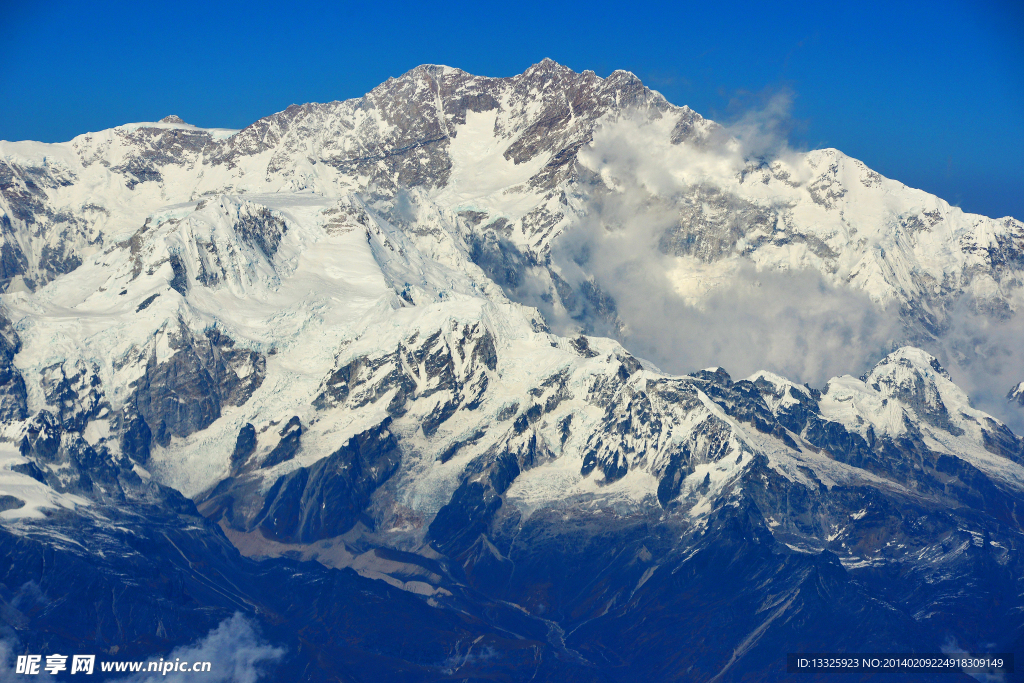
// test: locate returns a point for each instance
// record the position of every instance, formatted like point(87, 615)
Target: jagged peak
point(436, 70)
point(917, 379)
point(922, 361)
point(624, 75)
point(433, 71)
point(778, 382)
point(548, 64)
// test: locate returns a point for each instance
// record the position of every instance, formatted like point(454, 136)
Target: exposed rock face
point(712, 222)
point(58, 238)
point(75, 392)
point(452, 369)
point(460, 525)
point(185, 393)
point(13, 396)
point(286, 448)
point(258, 226)
point(65, 462)
point(328, 498)
point(245, 444)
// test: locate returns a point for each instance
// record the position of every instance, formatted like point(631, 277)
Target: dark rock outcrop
point(327, 498)
point(75, 391)
point(13, 394)
point(184, 393)
point(245, 445)
point(288, 446)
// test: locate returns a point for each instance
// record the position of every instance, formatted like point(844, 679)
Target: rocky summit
point(333, 377)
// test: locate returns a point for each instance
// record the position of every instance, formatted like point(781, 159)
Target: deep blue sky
point(931, 94)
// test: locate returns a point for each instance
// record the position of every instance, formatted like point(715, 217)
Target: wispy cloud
point(793, 323)
point(235, 650)
point(688, 312)
point(8, 649)
point(985, 357)
point(763, 125)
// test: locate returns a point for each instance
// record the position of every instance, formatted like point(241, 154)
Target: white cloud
point(234, 649)
point(8, 648)
point(985, 356)
point(793, 323)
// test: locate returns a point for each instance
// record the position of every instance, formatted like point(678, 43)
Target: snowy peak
point(1017, 394)
point(918, 380)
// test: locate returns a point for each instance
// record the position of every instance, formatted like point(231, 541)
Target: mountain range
point(374, 386)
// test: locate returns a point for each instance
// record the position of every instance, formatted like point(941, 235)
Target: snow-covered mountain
point(292, 371)
point(518, 159)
